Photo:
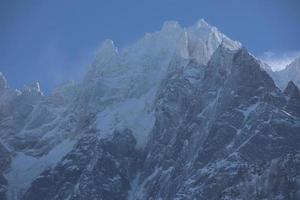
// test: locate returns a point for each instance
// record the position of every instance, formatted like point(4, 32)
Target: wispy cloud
point(55, 66)
point(278, 61)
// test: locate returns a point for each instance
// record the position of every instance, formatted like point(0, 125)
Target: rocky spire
point(291, 89)
point(293, 98)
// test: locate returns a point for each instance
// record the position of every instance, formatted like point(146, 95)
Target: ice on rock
point(24, 169)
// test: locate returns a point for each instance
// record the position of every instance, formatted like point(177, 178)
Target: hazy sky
point(52, 41)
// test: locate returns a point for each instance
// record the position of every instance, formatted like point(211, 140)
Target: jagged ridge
point(184, 113)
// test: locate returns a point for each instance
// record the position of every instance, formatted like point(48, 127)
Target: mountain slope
point(184, 113)
point(236, 122)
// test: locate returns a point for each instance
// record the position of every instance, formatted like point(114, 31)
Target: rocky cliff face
point(185, 113)
point(94, 169)
point(231, 131)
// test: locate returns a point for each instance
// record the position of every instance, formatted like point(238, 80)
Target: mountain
point(290, 73)
point(183, 113)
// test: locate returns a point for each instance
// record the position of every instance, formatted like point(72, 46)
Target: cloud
point(279, 61)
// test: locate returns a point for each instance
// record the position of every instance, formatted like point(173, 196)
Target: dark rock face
point(95, 169)
point(212, 138)
point(293, 97)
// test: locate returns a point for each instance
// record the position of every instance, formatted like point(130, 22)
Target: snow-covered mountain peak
point(204, 39)
point(202, 29)
point(196, 43)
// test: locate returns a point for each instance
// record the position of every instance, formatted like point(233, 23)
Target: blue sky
point(53, 41)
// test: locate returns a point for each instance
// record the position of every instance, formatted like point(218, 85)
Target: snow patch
point(24, 169)
point(137, 190)
point(134, 188)
point(246, 112)
point(134, 113)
